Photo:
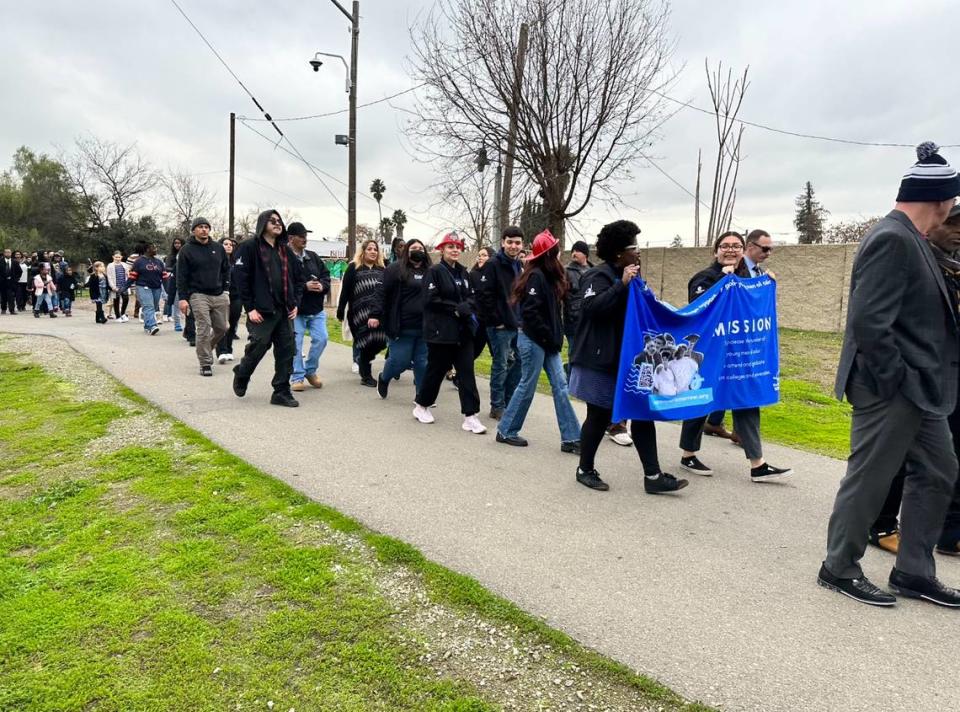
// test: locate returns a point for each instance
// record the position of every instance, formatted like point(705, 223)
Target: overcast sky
point(882, 71)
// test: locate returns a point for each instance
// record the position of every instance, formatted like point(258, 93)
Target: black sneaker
point(239, 383)
point(206, 370)
point(859, 589)
point(693, 465)
point(382, 387)
point(928, 589)
point(516, 441)
point(193, 343)
point(154, 331)
point(573, 447)
point(662, 483)
point(284, 399)
point(767, 472)
point(496, 413)
point(368, 382)
point(591, 479)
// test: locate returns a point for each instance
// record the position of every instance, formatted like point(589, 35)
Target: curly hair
point(614, 238)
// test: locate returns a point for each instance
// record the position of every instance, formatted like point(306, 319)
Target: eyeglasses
point(733, 247)
point(765, 250)
point(274, 221)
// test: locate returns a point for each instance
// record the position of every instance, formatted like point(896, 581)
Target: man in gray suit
point(898, 369)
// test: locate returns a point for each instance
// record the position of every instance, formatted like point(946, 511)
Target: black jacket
point(202, 269)
point(11, 276)
point(496, 285)
point(602, 313)
point(706, 278)
point(540, 312)
point(313, 268)
point(67, 286)
point(449, 307)
point(93, 288)
point(400, 301)
point(251, 271)
point(574, 296)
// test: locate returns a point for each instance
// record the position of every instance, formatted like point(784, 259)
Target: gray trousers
point(210, 315)
point(746, 424)
point(885, 434)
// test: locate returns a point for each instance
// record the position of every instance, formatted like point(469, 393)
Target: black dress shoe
point(591, 479)
point(516, 441)
point(573, 447)
point(239, 383)
point(284, 399)
point(859, 589)
point(928, 589)
point(663, 483)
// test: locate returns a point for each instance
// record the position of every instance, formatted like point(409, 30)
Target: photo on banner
point(720, 352)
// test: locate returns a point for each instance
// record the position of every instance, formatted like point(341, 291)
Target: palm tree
point(399, 220)
point(377, 189)
point(386, 229)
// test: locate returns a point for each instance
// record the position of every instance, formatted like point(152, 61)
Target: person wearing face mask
point(399, 308)
point(449, 323)
point(596, 358)
point(728, 252)
point(147, 274)
point(270, 283)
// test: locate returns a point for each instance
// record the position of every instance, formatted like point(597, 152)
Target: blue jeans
point(45, 297)
point(505, 371)
point(65, 303)
point(55, 300)
point(149, 299)
point(407, 347)
point(316, 326)
point(534, 359)
point(171, 306)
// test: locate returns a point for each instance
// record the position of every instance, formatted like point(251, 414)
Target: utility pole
point(696, 204)
point(233, 155)
point(512, 135)
point(497, 202)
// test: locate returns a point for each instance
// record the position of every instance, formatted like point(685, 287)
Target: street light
point(351, 138)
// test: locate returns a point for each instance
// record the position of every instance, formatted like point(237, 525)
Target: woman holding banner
point(596, 357)
point(728, 251)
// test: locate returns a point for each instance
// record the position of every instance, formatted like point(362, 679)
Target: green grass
point(174, 575)
point(808, 417)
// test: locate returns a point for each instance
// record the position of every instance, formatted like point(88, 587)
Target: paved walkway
point(712, 592)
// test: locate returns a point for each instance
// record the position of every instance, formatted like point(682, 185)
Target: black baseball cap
point(297, 228)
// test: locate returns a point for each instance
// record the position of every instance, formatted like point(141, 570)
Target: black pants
point(225, 345)
point(190, 327)
point(440, 359)
point(365, 356)
point(275, 330)
point(888, 519)
point(8, 299)
point(120, 302)
point(716, 417)
point(21, 296)
point(643, 432)
point(479, 341)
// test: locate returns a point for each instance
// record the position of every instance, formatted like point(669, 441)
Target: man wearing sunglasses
point(758, 249)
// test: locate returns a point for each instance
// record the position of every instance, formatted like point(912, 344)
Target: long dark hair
point(406, 265)
point(549, 264)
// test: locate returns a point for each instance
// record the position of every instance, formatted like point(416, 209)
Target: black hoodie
point(258, 272)
point(202, 268)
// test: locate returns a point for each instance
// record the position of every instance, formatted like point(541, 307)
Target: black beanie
point(582, 247)
point(930, 179)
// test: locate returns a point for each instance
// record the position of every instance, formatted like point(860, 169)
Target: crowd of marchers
point(434, 316)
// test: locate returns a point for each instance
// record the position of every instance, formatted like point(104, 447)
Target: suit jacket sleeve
point(875, 305)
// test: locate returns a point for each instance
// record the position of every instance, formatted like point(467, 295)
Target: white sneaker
point(229, 357)
point(473, 425)
point(423, 414)
point(124, 318)
point(222, 359)
point(622, 439)
point(355, 368)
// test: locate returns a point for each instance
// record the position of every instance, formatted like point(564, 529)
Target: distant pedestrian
point(171, 306)
point(539, 293)
point(476, 275)
point(21, 284)
point(270, 283)
point(596, 358)
point(311, 318)
point(43, 290)
point(358, 298)
point(203, 282)
point(577, 266)
point(399, 307)
point(119, 280)
point(67, 290)
point(449, 322)
point(898, 369)
point(147, 275)
point(225, 345)
point(98, 287)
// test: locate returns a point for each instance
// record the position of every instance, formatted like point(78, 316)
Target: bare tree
point(588, 106)
point(113, 180)
point(726, 94)
point(186, 197)
point(846, 231)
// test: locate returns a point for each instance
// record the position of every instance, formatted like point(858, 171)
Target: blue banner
point(719, 352)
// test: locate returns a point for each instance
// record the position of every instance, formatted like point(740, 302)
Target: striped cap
point(930, 180)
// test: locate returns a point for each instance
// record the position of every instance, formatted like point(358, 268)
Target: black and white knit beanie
point(931, 179)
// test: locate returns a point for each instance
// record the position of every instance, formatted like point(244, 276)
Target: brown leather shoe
point(315, 381)
point(888, 541)
point(717, 431)
point(296, 386)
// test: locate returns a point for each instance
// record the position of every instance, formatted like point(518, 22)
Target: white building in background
point(328, 249)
